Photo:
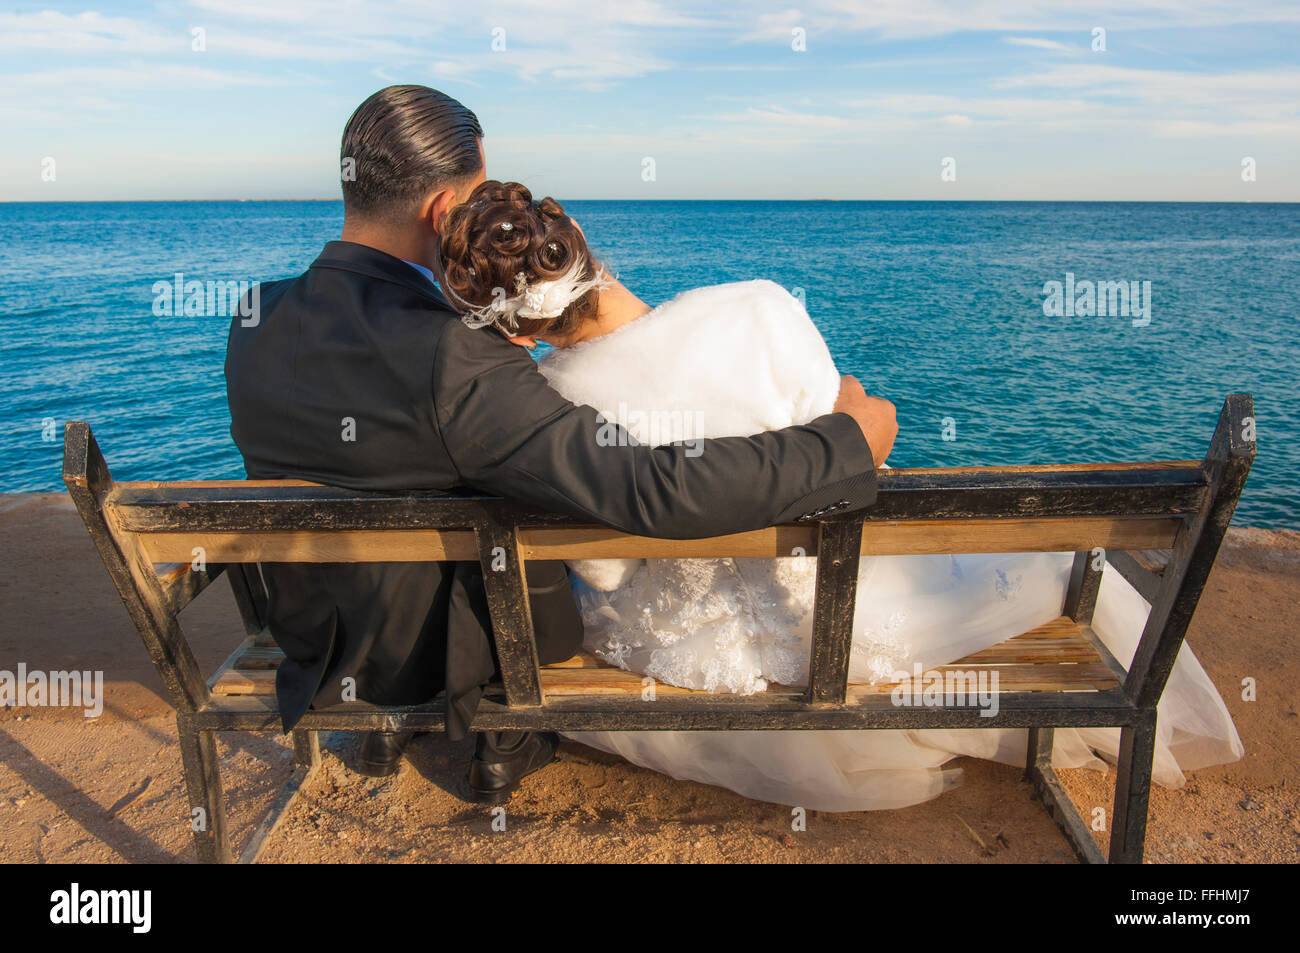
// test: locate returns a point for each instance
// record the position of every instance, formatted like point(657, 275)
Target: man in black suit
point(358, 374)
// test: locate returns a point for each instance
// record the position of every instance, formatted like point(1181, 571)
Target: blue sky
point(716, 95)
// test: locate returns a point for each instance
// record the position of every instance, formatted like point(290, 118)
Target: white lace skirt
point(724, 625)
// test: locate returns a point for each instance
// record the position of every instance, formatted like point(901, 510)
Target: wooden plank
point(558, 682)
point(1033, 651)
point(241, 682)
point(598, 542)
point(1154, 561)
point(1062, 627)
point(250, 669)
point(1056, 654)
point(1035, 677)
point(252, 656)
point(878, 539)
point(583, 659)
point(1048, 535)
point(322, 546)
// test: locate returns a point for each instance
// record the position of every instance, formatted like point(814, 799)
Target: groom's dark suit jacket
point(438, 406)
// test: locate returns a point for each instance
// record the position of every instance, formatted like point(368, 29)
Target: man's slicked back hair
point(405, 142)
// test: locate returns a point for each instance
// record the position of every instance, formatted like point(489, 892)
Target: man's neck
point(407, 245)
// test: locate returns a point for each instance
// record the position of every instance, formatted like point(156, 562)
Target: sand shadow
point(90, 816)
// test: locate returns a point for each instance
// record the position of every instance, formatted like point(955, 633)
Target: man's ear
point(435, 207)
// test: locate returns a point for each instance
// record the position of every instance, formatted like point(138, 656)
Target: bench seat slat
point(1056, 656)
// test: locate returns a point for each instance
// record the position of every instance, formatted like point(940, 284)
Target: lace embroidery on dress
point(706, 624)
point(728, 625)
point(878, 653)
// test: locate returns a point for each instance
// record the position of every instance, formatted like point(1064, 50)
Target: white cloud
point(777, 116)
point(145, 76)
point(114, 72)
point(1037, 43)
point(774, 27)
point(1162, 85)
point(898, 19)
point(86, 33)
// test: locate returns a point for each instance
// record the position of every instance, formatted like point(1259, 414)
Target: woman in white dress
point(733, 360)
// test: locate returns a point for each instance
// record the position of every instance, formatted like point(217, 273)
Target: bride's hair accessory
point(539, 300)
point(519, 265)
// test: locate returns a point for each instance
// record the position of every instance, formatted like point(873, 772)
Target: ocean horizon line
point(664, 200)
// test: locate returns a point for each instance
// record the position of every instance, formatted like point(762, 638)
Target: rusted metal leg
point(1047, 786)
point(207, 801)
point(1132, 792)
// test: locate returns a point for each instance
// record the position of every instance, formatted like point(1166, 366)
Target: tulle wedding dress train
point(741, 358)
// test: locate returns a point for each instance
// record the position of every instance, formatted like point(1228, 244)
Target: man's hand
point(874, 415)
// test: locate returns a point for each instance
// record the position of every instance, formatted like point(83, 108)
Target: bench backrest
point(1181, 506)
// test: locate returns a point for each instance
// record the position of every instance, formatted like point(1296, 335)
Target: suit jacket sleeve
point(508, 432)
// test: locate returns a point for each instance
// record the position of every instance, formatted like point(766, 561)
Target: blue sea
point(938, 306)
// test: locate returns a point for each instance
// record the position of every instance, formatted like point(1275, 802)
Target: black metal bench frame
point(1180, 507)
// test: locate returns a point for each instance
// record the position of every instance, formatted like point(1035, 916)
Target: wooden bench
point(1160, 525)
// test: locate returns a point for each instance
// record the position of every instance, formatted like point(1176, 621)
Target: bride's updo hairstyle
point(516, 263)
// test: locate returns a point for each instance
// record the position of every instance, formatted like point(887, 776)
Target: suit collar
point(373, 263)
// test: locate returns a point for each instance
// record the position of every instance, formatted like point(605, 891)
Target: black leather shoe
point(492, 782)
point(381, 752)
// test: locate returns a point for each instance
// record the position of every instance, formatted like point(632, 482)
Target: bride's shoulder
point(758, 305)
point(702, 319)
point(759, 294)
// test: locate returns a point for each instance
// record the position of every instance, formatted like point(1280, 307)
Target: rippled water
point(938, 306)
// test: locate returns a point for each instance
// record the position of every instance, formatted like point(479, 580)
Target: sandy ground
point(110, 789)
